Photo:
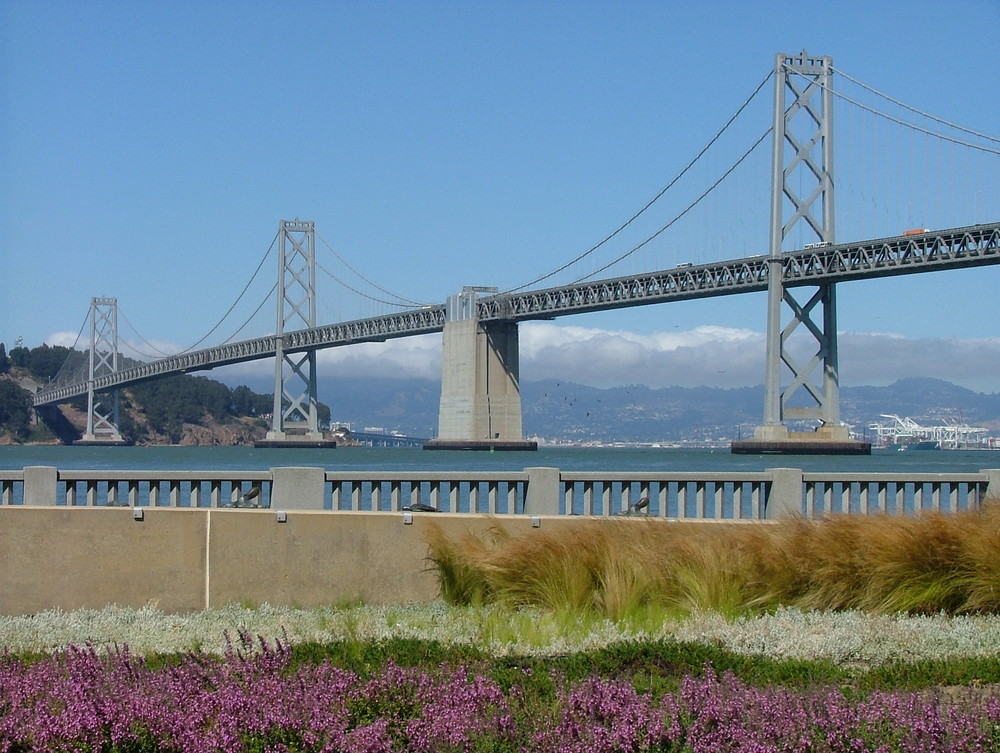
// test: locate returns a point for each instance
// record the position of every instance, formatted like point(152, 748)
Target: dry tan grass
point(880, 564)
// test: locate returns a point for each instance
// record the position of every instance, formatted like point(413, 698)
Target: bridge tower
point(803, 124)
point(104, 358)
point(480, 382)
point(295, 419)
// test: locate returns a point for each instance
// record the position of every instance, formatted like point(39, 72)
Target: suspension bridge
point(480, 402)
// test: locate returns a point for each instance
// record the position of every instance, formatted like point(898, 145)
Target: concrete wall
point(187, 560)
point(480, 388)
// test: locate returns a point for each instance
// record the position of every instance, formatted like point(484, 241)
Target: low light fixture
point(536, 521)
point(282, 516)
point(407, 518)
point(137, 513)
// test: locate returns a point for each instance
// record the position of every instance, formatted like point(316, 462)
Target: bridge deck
point(956, 248)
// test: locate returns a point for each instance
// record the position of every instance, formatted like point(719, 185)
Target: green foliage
point(4, 359)
point(366, 658)
point(182, 399)
point(246, 402)
point(15, 410)
point(44, 361)
point(19, 357)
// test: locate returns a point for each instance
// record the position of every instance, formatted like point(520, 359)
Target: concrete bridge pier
point(480, 384)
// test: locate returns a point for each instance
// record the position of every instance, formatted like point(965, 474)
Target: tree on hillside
point(44, 361)
point(15, 410)
point(4, 359)
point(246, 402)
point(19, 356)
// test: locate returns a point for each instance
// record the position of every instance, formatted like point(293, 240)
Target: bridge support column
point(480, 384)
point(806, 126)
point(104, 359)
point(295, 418)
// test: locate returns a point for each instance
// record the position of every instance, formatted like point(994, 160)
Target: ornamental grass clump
point(619, 568)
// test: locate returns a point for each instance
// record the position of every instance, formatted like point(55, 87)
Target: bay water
point(378, 459)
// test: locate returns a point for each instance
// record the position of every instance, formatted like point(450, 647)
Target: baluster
point(625, 500)
point(699, 500)
point(810, 498)
point(938, 491)
point(883, 496)
point(395, 495)
point(356, 496)
point(493, 493)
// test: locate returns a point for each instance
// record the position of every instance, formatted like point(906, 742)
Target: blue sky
point(149, 150)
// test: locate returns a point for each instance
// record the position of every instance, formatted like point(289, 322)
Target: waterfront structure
point(480, 402)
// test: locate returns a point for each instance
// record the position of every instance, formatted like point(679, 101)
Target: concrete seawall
point(187, 560)
point(86, 539)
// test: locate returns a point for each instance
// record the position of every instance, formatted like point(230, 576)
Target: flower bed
point(261, 700)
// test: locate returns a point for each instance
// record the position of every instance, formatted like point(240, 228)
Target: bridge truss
point(958, 248)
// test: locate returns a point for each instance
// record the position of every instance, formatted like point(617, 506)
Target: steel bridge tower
point(802, 191)
point(295, 419)
point(104, 358)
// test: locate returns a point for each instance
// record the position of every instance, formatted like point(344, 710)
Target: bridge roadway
point(957, 248)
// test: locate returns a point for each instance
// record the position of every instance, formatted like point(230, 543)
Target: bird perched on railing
point(249, 499)
point(419, 507)
point(637, 508)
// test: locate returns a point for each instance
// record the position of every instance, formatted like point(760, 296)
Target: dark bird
point(637, 508)
point(419, 507)
point(247, 500)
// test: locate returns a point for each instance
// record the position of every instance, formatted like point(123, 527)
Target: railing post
point(784, 500)
point(992, 485)
point(542, 494)
point(298, 488)
point(40, 485)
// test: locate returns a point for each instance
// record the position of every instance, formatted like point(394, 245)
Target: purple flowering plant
point(261, 701)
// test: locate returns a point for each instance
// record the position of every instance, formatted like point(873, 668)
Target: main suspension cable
point(230, 310)
point(677, 217)
point(375, 285)
point(255, 312)
point(354, 290)
point(912, 109)
point(652, 201)
point(905, 124)
point(139, 335)
point(69, 355)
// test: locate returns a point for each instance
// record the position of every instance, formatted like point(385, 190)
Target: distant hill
point(197, 410)
point(565, 410)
